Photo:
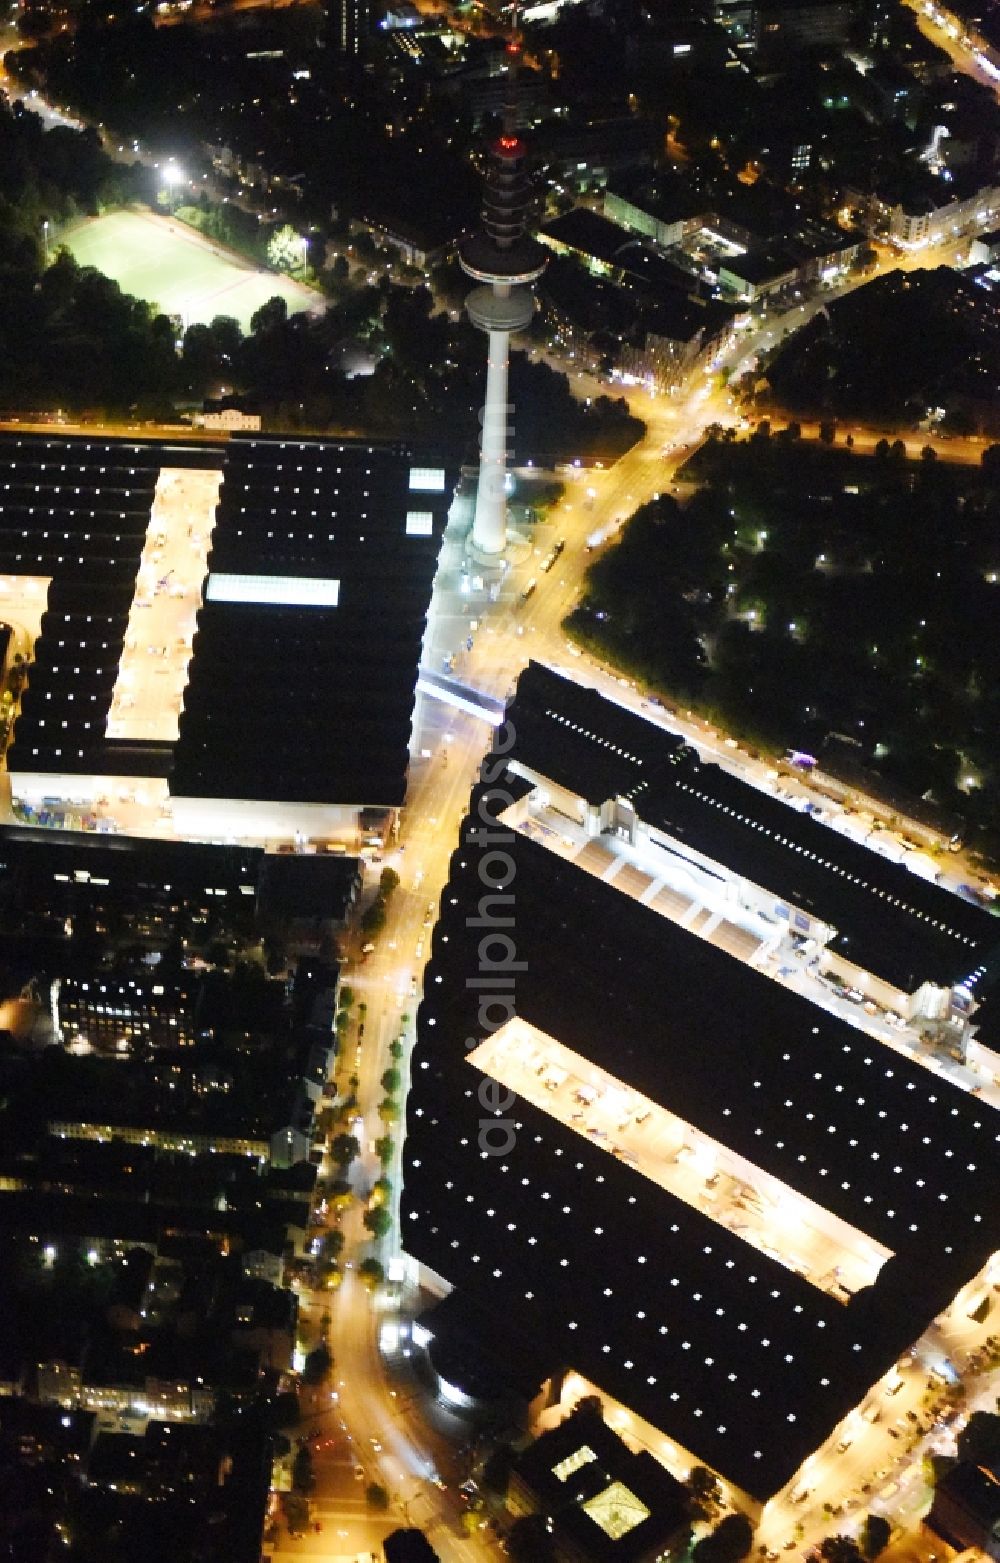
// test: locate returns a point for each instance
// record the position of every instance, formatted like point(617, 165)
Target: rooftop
point(326, 553)
point(907, 930)
point(663, 1088)
point(321, 559)
point(74, 514)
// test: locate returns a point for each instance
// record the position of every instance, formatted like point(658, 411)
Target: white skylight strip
point(765, 1213)
point(285, 591)
point(427, 480)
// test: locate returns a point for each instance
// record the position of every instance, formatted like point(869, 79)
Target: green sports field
point(177, 270)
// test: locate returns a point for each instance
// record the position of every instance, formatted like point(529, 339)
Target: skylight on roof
point(427, 480)
point(573, 1463)
point(616, 1510)
point(285, 591)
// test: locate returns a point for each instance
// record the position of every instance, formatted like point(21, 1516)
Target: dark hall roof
point(743, 1360)
point(74, 509)
point(313, 704)
point(892, 922)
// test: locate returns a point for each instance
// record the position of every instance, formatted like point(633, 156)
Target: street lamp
point(174, 177)
point(45, 239)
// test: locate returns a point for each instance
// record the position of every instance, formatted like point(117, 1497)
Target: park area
point(182, 273)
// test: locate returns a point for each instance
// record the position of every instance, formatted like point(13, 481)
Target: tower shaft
point(505, 261)
point(489, 528)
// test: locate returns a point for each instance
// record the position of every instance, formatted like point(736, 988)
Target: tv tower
point(505, 261)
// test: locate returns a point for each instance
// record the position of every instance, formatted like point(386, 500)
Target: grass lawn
point(176, 269)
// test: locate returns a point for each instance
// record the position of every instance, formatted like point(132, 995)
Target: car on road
point(529, 589)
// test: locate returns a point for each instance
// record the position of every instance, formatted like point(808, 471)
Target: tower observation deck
point(505, 261)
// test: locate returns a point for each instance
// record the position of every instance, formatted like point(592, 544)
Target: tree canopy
point(729, 1542)
point(737, 603)
point(979, 1440)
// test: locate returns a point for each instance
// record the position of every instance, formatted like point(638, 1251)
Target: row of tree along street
point(804, 590)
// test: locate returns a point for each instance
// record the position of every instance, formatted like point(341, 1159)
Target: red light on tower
point(509, 143)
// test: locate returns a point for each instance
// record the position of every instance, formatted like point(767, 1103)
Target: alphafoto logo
point(498, 966)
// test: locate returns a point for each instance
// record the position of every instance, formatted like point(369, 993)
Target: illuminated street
point(695, 1256)
point(948, 32)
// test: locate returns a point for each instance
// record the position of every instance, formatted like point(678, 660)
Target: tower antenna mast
point(505, 261)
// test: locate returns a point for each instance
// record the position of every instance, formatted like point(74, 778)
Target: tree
point(296, 1511)
point(496, 1471)
point(373, 919)
point(384, 1148)
point(828, 431)
point(382, 1191)
point(391, 1081)
point(302, 1470)
point(979, 1440)
point(396, 1050)
point(284, 1409)
point(388, 881)
point(706, 1494)
point(990, 460)
point(317, 1364)
point(364, 247)
point(840, 1549)
point(729, 1542)
point(286, 249)
point(372, 1273)
point(928, 453)
point(529, 1541)
point(388, 1110)
point(875, 1535)
point(269, 319)
point(936, 1467)
point(378, 1220)
point(341, 1194)
point(882, 449)
point(346, 996)
point(332, 1246)
point(344, 1149)
point(959, 418)
point(377, 1497)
